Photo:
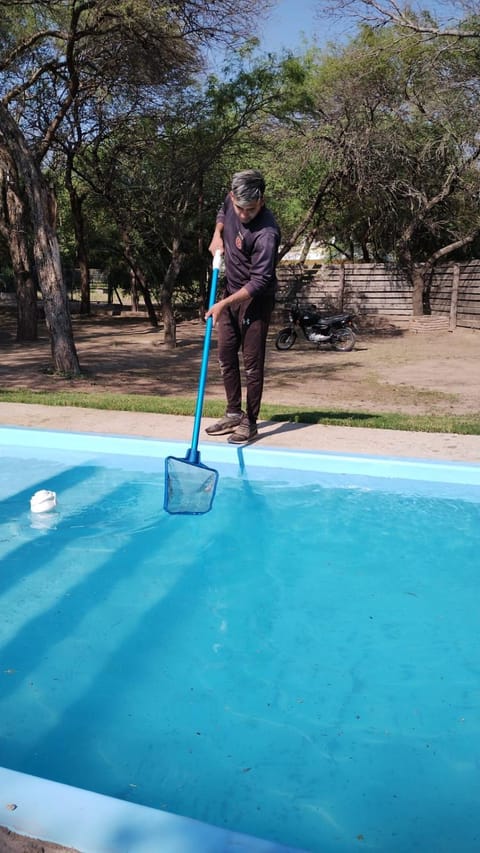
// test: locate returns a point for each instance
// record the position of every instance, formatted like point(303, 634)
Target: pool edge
point(94, 823)
point(441, 471)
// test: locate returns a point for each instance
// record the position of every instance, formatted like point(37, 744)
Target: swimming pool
point(301, 664)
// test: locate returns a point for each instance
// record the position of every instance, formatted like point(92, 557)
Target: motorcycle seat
point(326, 317)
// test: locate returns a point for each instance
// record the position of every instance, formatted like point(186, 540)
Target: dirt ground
point(10, 842)
point(390, 370)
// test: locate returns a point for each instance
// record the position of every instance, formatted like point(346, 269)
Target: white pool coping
point(93, 823)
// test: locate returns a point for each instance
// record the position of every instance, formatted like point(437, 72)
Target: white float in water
point(43, 501)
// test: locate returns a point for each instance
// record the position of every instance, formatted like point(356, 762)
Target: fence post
point(454, 298)
point(341, 287)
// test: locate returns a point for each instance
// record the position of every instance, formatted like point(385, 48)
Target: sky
point(289, 25)
point(291, 21)
point(294, 24)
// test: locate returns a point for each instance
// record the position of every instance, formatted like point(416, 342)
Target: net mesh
point(189, 487)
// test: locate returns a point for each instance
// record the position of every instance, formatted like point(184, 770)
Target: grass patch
point(462, 425)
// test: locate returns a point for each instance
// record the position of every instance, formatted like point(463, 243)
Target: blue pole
point(193, 454)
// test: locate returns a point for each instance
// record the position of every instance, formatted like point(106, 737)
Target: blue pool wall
point(258, 460)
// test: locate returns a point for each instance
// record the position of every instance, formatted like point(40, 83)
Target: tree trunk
point(134, 291)
point(27, 306)
point(170, 280)
point(84, 268)
point(417, 292)
point(15, 231)
point(307, 243)
point(169, 324)
point(321, 192)
point(139, 277)
point(414, 274)
point(46, 252)
point(147, 299)
point(82, 252)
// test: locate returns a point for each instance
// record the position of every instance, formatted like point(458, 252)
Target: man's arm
point(239, 296)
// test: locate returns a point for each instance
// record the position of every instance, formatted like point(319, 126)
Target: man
point(248, 235)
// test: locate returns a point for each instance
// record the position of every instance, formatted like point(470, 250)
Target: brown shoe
point(225, 425)
point(244, 432)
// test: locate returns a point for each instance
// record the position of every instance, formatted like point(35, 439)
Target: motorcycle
point(318, 328)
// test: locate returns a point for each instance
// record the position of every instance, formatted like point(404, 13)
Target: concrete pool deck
point(445, 447)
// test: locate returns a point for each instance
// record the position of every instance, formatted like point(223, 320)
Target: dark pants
point(244, 326)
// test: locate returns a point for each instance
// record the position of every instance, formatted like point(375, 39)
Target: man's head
point(247, 192)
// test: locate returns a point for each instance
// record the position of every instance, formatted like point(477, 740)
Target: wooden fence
point(382, 290)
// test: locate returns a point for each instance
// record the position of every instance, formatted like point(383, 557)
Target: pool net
point(189, 487)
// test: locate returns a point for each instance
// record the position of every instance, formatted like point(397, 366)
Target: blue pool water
point(300, 664)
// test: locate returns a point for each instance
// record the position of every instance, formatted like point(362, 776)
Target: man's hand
point(217, 243)
point(239, 296)
point(215, 311)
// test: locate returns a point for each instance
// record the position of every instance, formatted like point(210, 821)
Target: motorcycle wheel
point(343, 340)
point(285, 339)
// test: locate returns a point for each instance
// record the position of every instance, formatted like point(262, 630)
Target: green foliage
point(392, 119)
point(161, 177)
point(370, 144)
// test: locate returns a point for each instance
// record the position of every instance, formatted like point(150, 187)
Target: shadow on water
point(141, 650)
point(69, 604)
point(96, 636)
point(13, 505)
point(18, 563)
point(68, 608)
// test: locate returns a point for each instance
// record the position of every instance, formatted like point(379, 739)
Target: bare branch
point(381, 12)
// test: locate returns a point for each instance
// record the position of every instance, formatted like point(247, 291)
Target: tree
point(46, 253)
point(161, 177)
point(460, 23)
point(56, 54)
point(397, 133)
point(13, 228)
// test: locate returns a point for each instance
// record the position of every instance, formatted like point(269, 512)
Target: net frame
point(189, 487)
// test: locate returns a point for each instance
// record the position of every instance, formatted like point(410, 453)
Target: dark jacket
point(250, 250)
